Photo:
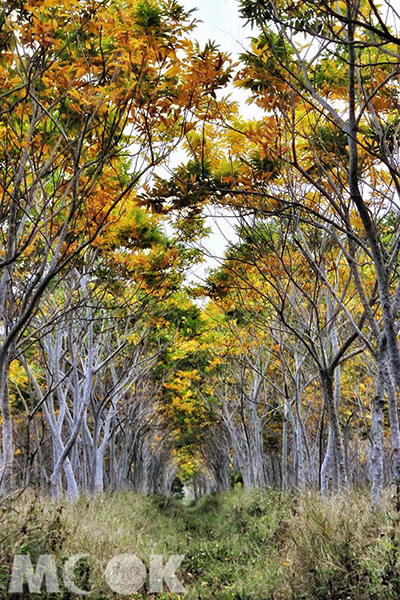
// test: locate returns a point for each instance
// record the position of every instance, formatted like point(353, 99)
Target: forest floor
point(239, 545)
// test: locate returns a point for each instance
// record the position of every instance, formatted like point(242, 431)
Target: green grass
point(240, 545)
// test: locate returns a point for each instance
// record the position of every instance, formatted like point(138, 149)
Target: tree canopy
point(282, 366)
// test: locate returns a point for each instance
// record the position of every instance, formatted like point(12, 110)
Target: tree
point(85, 86)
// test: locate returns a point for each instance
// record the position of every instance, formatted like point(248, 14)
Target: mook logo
point(125, 574)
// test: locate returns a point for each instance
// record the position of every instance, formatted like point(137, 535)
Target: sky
point(220, 23)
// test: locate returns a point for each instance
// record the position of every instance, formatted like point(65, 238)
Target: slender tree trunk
point(377, 441)
point(299, 443)
point(56, 478)
point(329, 401)
point(99, 472)
point(393, 411)
point(284, 482)
point(328, 462)
point(7, 459)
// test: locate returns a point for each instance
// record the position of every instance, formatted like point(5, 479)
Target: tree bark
point(377, 440)
point(337, 441)
point(7, 459)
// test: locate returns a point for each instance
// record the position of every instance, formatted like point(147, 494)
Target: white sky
point(221, 23)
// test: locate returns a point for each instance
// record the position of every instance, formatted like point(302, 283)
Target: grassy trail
point(244, 546)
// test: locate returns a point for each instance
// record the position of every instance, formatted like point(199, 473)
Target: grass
point(240, 545)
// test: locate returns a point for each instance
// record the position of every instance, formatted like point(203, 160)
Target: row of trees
point(287, 370)
point(95, 96)
point(314, 187)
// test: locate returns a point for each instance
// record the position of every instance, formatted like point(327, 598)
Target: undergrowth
point(239, 545)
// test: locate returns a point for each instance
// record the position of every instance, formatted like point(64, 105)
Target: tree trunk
point(6, 466)
point(337, 442)
point(377, 441)
point(394, 427)
point(328, 462)
point(284, 482)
